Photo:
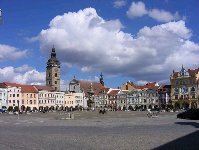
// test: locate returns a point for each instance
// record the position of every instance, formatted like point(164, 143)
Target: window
point(22, 101)
point(17, 95)
point(176, 96)
point(13, 95)
point(13, 101)
point(27, 101)
point(176, 90)
point(49, 82)
point(55, 82)
point(55, 74)
point(49, 75)
point(192, 89)
point(30, 101)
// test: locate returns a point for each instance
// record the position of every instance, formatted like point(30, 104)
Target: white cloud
point(11, 53)
point(27, 75)
point(163, 16)
point(23, 69)
point(141, 82)
point(138, 10)
point(23, 75)
point(82, 39)
point(119, 3)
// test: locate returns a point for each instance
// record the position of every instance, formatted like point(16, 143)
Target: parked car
point(2, 111)
point(192, 114)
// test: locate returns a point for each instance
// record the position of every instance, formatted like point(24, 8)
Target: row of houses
point(128, 96)
point(37, 97)
point(182, 93)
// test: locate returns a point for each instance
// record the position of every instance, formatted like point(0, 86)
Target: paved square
point(90, 130)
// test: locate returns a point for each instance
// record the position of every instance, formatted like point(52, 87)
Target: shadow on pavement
point(188, 142)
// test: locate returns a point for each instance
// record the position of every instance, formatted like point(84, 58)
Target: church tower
point(53, 71)
point(101, 79)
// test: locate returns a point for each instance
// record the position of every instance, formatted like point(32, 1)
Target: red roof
point(41, 87)
point(148, 85)
point(11, 84)
point(2, 85)
point(28, 89)
point(114, 92)
point(86, 86)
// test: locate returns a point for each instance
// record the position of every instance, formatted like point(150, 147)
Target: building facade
point(59, 100)
point(143, 99)
point(184, 88)
point(14, 98)
point(164, 92)
point(3, 97)
point(29, 98)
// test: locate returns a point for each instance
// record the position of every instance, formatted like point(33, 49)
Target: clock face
point(56, 69)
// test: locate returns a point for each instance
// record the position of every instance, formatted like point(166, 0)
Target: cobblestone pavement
point(93, 131)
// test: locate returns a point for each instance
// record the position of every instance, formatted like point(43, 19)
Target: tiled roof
point(191, 72)
point(41, 87)
point(106, 90)
point(12, 84)
point(2, 85)
point(28, 89)
point(114, 92)
point(86, 85)
point(148, 85)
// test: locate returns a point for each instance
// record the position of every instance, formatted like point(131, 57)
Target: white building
point(13, 95)
point(59, 99)
point(3, 98)
point(46, 97)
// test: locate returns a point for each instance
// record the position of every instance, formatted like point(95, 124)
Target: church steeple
point(101, 79)
point(53, 61)
point(53, 71)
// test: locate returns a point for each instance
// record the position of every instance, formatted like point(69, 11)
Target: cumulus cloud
point(83, 39)
point(119, 3)
point(141, 82)
point(23, 75)
point(138, 10)
point(27, 75)
point(8, 52)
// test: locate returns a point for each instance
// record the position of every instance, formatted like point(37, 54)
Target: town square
point(99, 74)
point(91, 130)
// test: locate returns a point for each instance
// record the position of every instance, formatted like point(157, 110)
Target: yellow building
point(29, 97)
point(184, 88)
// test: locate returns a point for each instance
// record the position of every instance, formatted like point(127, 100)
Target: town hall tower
point(53, 71)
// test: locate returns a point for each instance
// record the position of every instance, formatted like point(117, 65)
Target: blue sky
point(141, 41)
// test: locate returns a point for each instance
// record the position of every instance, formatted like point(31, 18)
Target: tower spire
point(101, 79)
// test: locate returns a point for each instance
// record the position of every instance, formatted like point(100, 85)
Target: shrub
point(10, 108)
